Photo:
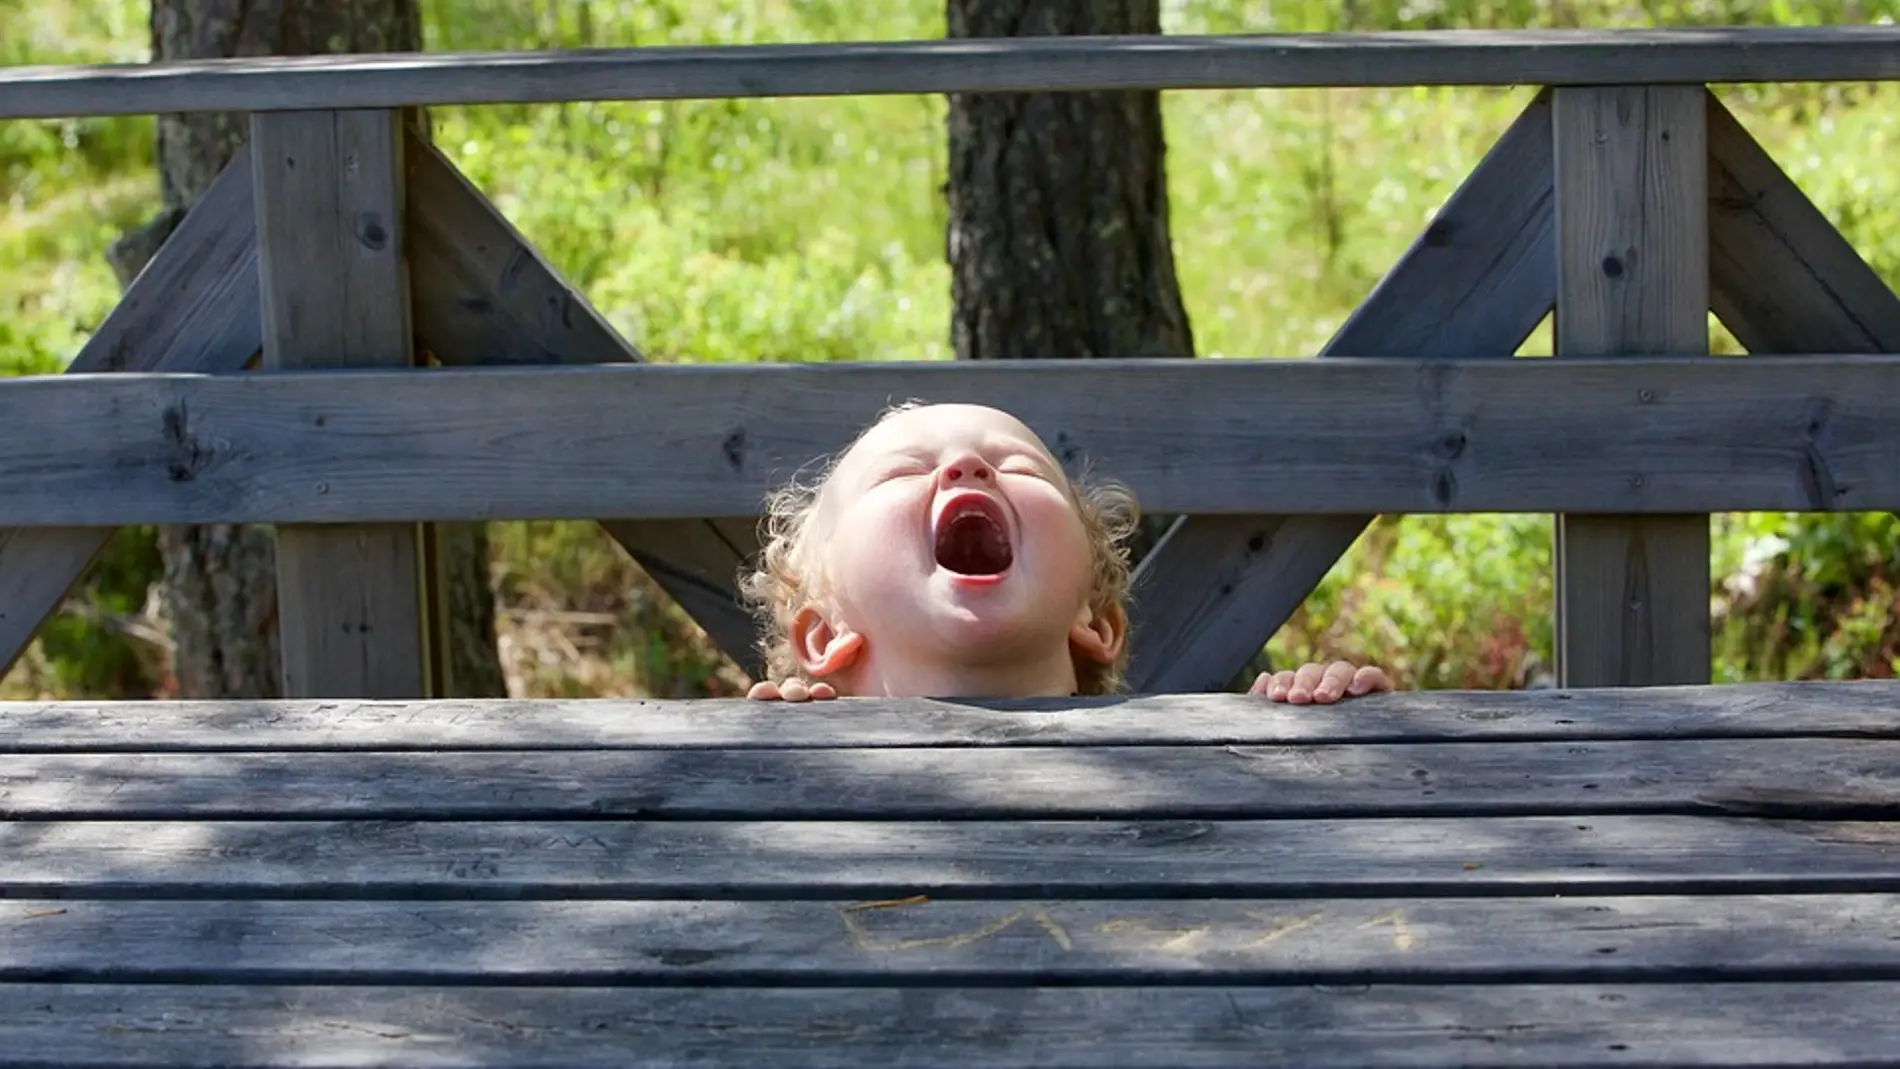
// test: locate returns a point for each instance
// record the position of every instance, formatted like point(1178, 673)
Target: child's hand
point(1320, 684)
point(792, 690)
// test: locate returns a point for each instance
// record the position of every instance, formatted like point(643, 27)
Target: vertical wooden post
point(1632, 279)
point(335, 289)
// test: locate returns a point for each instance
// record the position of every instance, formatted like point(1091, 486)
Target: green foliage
point(88, 652)
point(70, 186)
point(732, 230)
point(813, 229)
point(1808, 597)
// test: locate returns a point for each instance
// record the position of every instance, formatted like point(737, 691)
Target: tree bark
point(220, 581)
point(1058, 240)
point(1058, 234)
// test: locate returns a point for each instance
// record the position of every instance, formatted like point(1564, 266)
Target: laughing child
point(945, 553)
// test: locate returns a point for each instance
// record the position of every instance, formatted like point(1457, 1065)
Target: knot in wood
point(371, 231)
point(189, 456)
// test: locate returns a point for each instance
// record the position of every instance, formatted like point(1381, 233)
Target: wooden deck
point(1635, 877)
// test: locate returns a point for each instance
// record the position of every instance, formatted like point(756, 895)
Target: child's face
point(948, 540)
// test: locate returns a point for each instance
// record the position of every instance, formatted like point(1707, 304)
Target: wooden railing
point(1433, 57)
point(1626, 199)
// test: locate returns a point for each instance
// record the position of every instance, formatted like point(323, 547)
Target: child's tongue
point(973, 543)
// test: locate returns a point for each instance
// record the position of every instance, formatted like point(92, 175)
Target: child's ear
point(822, 649)
point(1098, 634)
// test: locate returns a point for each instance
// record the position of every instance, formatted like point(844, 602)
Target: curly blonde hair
point(786, 577)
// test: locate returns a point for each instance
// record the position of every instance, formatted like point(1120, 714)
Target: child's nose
point(969, 468)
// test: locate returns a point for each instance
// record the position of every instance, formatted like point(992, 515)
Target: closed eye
point(1022, 465)
point(903, 471)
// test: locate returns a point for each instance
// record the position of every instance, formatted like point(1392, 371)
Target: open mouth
point(973, 537)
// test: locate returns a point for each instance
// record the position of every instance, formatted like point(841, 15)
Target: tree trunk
point(1059, 204)
point(1058, 238)
point(220, 581)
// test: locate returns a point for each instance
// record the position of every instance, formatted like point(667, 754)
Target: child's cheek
point(1056, 528)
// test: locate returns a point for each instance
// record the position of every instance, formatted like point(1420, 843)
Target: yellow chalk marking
point(1179, 939)
point(1401, 935)
point(863, 939)
point(1187, 938)
point(1056, 932)
point(1282, 926)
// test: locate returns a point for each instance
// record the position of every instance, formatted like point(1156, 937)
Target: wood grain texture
point(335, 281)
point(1215, 1027)
point(194, 307)
point(482, 295)
point(1804, 778)
point(1632, 278)
point(1868, 709)
point(1008, 943)
point(1478, 280)
point(480, 292)
point(1499, 57)
point(1780, 276)
point(681, 441)
point(1094, 859)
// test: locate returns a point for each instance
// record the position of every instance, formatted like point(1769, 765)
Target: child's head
point(946, 553)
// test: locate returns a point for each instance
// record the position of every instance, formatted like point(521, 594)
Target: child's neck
point(1048, 676)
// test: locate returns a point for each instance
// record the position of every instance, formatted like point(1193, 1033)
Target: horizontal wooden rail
point(1443, 57)
point(1629, 435)
point(1861, 710)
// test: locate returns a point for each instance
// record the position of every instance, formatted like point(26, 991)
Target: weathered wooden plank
point(1864, 709)
point(1835, 778)
point(1632, 278)
point(1223, 1027)
point(1631, 436)
point(332, 268)
point(1780, 275)
point(1016, 943)
point(194, 307)
point(1479, 279)
point(1095, 859)
point(482, 294)
point(1502, 58)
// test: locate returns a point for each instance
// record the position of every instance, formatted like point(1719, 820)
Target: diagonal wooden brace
point(481, 294)
point(1476, 283)
point(1781, 278)
point(194, 308)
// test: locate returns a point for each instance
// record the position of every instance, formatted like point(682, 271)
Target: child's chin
point(983, 628)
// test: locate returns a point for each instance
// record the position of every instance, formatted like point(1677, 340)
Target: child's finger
point(1281, 686)
point(1306, 681)
point(1332, 685)
point(823, 692)
point(795, 690)
point(1369, 679)
point(763, 691)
